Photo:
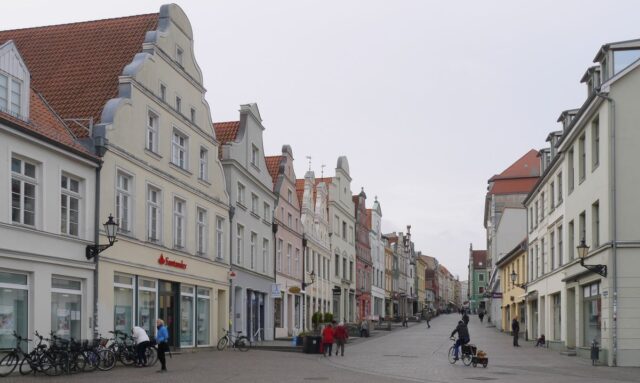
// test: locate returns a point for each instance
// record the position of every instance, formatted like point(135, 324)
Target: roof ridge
point(80, 22)
point(54, 113)
point(226, 122)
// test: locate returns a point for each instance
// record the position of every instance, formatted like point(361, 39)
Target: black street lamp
point(583, 250)
point(111, 228)
point(514, 277)
point(312, 275)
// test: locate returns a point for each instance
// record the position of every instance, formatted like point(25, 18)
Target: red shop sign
point(169, 262)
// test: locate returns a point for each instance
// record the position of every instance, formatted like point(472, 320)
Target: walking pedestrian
point(162, 337)
point(364, 329)
point(341, 335)
point(515, 330)
point(428, 317)
point(327, 339)
point(465, 319)
point(141, 340)
point(481, 315)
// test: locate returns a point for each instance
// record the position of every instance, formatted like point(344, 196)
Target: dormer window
point(254, 155)
point(623, 58)
point(179, 54)
point(10, 95)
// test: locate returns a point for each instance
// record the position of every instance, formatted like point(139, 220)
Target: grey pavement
point(414, 354)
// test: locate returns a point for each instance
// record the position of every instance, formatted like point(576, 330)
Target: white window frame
point(192, 115)
point(203, 169)
point(279, 245)
point(178, 104)
point(68, 194)
point(25, 179)
point(267, 212)
point(179, 55)
point(163, 92)
point(239, 244)
point(289, 255)
point(240, 198)
point(255, 152)
point(184, 291)
point(219, 238)
point(179, 223)
point(202, 229)
point(153, 124)
point(154, 206)
point(265, 254)
point(255, 201)
point(12, 99)
point(126, 225)
point(179, 149)
point(253, 249)
point(141, 287)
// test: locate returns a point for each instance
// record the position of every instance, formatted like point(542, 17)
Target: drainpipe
point(232, 211)
point(613, 218)
point(96, 240)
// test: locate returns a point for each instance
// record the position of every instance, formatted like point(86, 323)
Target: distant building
point(478, 279)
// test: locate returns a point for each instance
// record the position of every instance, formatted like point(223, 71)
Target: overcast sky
point(428, 99)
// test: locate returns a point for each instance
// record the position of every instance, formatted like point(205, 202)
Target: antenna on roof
point(322, 170)
point(309, 158)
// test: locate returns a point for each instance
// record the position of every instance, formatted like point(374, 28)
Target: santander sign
point(165, 261)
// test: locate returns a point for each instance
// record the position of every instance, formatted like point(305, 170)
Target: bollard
point(595, 352)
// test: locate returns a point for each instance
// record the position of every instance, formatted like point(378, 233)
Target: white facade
point(378, 260)
point(47, 220)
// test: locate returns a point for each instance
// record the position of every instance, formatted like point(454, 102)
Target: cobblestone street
point(413, 354)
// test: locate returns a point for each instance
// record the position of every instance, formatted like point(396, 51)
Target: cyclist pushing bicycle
point(463, 337)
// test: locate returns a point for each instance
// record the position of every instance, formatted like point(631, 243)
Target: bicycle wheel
point(92, 359)
point(243, 343)
point(49, 364)
point(106, 360)
point(127, 357)
point(152, 356)
point(222, 343)
point(77, 362)
point(466, 359)
point(452, 355)
point(9, 363)
point(27, 366)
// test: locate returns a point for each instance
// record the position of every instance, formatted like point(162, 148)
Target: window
point(279, 256)
point(14, 301)
point(186, 316)
point(296, 266)
point(344, 230)
point(595, 143)
point(535, 213)
point(219, 238)
point(23, 192)
point(254, 204)
point(552, 251)
point(10, 95)
point(239, 244)
point(571, 247)
point(123, 201)
point(582, 157)
point(289, 220)
point(152, 132)
point(559, 180)
point(481, 290)
point(542, 206)
point(123, 302)
point(481, 277)
point(154, 211)
point(179, 150)
point(163, 92)
point(531, 227)
point(592, 310)
point(203, 310)
point(254, 240)
point(552, 195)
point(351, 234)
point(178, 104)
point(571, 171)
point(344, 268)
point(582, 219)
point(337, 264)
point(289, 251)
point(203, 172)
point(179, 54)
point(265, 254)
point(595, 224)
point(289, 196)
point(179, 213)
point(66, 307)
point(69, 205)
point(254, 155)
point(201, 231)
point(267, 212)
point(193, 115)
point(336, 219)
point(4, 97)
point(240, 197)
point(560, 258)
point(147, 293)
point(351, 271)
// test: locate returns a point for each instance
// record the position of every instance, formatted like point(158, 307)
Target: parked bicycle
point(239, 341)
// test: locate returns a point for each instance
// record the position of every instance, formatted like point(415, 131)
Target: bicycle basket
point(103, 342)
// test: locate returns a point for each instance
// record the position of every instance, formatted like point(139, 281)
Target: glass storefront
point(203, 310)
point(123, 302)
point(557, 317)
point(13, 307)
point(591, 310)
point(66, 307)
point(147, 305)
point(186, 316)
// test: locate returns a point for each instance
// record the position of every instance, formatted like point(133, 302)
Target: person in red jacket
point(327, 339)
point(340, 334)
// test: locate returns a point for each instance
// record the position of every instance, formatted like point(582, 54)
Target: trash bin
point(311, 344)
point(595, 352)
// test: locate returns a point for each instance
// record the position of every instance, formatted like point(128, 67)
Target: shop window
point(203, 318)
point(66, 307)
point(592, 313)
point(123, 302)
point(14, 303)
point(277, 309)
point(147, 293)
point(186, 316)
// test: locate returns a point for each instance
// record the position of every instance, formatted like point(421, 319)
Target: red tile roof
point(273, 166)
point(226, 132)
point(45, 124)
point(526, 166)
point(76, 66)
point(479, 259)
point(513, 186)
point(300, 190)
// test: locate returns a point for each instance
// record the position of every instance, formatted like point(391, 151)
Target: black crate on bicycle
point(470, 349)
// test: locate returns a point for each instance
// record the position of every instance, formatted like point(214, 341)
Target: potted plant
point(328, 317)
point(316, 318)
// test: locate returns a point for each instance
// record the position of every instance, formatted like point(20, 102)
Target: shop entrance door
point(168, 298)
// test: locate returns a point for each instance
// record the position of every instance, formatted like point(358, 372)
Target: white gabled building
point(374, 218)
point(592, 168)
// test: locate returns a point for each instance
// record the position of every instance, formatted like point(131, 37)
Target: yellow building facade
point(513, 271)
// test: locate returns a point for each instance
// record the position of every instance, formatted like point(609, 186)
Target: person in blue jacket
point(162, 337)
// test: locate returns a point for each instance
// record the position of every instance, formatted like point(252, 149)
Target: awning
point(532, 295)
point(576, 277)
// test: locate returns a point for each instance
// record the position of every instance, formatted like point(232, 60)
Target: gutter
point(613, 219)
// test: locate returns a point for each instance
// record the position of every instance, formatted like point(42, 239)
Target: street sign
point(275, 290)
